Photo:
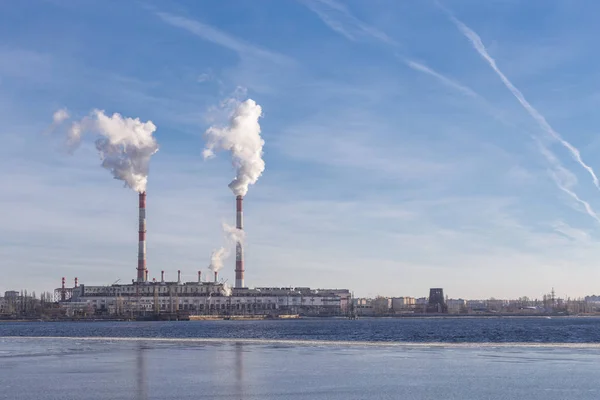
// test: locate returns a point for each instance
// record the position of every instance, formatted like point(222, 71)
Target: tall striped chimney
point(141, 269)
point(239, 250)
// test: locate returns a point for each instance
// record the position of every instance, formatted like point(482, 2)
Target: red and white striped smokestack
point(63, 293)
point(142, 274)
point(178, 276)
point(216, 276)
point(199, 276)
point(76, 282)
point(162, 276)
point(239, 250)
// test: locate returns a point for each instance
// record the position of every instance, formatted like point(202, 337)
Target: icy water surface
point(48, 368)
point(452, 330)
point(504, 359)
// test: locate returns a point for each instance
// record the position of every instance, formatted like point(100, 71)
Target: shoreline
point(196, 318)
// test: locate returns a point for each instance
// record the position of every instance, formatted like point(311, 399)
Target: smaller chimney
point(178, 276)
point(199, 276)
point(216, 276)
point(154, 280)
point(76, 282)
point(162, 276)
point(146, 280)
point(63, 293)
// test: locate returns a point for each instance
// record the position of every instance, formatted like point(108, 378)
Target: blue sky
point(397, 157)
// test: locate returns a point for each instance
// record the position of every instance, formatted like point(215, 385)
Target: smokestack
point(63, 293)
point(216, 276)
point(142, 274)
point(199, 276)
point(76, 282)
point(178, 276)
point(239, 251)
point(162, 276)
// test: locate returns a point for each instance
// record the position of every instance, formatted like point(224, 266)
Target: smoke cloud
point(226, 290)
point(125, 145)
point(218, 256)
point(216, 259)
point(60, 116)
point(242, 138)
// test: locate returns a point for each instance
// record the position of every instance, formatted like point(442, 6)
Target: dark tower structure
point(437, 304)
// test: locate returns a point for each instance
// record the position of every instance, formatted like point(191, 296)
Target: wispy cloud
point(539, 118)
point(575, 234)
point(445, 80)
point(339, 19)
point(221, 38)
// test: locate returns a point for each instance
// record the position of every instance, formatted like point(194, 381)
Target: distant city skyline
point(408, 145)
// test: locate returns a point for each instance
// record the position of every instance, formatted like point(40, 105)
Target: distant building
point(456, 306)
point(204, 298)
point(11, 295)
point(402, 304)
point(436, 303)
point(364, 307)
point(382, 305)
point(475, 306)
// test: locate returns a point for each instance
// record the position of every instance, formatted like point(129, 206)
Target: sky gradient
point(408, 144)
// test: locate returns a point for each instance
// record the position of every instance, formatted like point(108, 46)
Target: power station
point(145, 298)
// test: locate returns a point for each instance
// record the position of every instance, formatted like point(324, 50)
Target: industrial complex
point(151, 299)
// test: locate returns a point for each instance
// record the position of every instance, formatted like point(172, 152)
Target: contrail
point(565, 179)
point(479, 46)
point(585, 204)
point(445, 80)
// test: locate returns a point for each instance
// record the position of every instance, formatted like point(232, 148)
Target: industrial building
point(143, 298)
point(202, 298)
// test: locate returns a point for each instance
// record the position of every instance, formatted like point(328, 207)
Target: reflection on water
point(151, 370)
point(239, 370)
point(142, 389)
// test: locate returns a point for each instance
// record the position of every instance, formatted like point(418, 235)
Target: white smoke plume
point(233, 234)
point(218, 256)
point(60, 116)
point(242, 138)
point(216, 259)
point(226, 290)
point(125, 144)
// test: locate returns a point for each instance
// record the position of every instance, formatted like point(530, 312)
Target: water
point(422, 330)
point(504, 359)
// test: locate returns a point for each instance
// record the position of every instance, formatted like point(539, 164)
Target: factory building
point(201, 298)
point(144, 297)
